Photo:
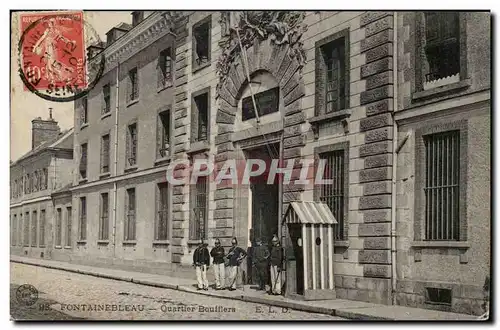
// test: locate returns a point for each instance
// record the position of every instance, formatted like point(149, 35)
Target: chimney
point(43, 130)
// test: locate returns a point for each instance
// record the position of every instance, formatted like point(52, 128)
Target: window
point(27, 183)
point(14, 230)
point(333, 194)
point(27, 229)
point(165, 68)
point(83, 219)
point(267, 102)
point(199, 118)
point(83, 161)
point(35, 181)
point(131, 153)
point(58, 227)
point(69, 221)
point(198, 219)
point(163, 134)
point(133, 92)
point(438, 296)
point(107, 99)
point(104, 218)
point(332, 73)
point(441, 189)
point(32, 176)
point(34, 228)
point(14, 190)
point(161, 226)
point(129, 232)
point(201, 43)
point(105, 153)
point(45, 178)
point(20, 230)
point(441, 43)
point(41, 238)
point(84, 112)
point(137, 17)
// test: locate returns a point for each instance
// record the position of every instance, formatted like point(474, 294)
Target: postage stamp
point(52, 52)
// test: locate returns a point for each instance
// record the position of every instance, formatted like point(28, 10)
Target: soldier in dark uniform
point(260, 260)
point(201, 261)
point(234, 258)
point(218, 254)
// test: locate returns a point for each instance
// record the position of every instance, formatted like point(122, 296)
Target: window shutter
point(127, 146)
point(159, 137)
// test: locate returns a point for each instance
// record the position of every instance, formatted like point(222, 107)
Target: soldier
point(234, 259)
point(260, 260)
point(276, 263)
point(201, 260)
point(218, 254)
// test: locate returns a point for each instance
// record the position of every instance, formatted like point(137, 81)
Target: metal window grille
point(134, 85)
point(442, 175)
point(34, 228)
point(132, 150)
point(105, 154)
point(161, 228)
point(165, 68)
point(69, 220)
point(107, 99)
point(442, 44)
point(334, 54)
point(129, 233)
point(202, 107)
point(202, 39)
point(333, 194)
point(164, 134)
point(26, 233)
point(58, 227)
point(83, 218)
point(41, 239)
point(267, 103)
point(104, 223)
point(198, 209)
point(83, 161)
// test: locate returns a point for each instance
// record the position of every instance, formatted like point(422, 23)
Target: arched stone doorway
point(283, 64)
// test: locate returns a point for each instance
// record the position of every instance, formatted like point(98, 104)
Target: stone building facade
point(363, 91)
point(444, 125)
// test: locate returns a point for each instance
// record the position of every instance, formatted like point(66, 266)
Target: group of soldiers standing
point(266, 260)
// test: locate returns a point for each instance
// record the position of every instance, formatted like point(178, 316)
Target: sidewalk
point(356, 310)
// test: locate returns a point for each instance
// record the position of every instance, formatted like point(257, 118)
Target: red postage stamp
point(53, 52)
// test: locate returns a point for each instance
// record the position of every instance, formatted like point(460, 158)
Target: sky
point(26, 106)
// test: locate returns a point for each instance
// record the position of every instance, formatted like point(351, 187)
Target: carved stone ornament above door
point(279, 28)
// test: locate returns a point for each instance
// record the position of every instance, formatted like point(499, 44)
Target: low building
point(46, 168)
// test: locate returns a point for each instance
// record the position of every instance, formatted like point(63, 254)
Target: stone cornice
point(153, 27)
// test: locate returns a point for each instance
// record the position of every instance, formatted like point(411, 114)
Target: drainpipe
point(115, 156)
point(394, 156)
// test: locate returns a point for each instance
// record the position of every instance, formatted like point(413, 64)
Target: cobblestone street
point(89, 297)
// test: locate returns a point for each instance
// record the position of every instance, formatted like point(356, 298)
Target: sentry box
point(308, 237)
